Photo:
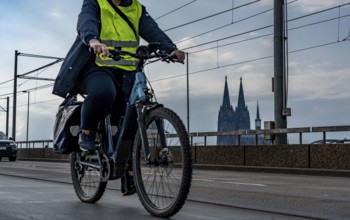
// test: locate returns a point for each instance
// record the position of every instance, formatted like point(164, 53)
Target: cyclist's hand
point(179, 54)
point(98, 47)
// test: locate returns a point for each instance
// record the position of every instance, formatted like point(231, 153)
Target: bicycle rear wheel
point(164, 183)
point(87, 181)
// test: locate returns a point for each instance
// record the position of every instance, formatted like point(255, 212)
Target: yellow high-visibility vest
point(115, 32)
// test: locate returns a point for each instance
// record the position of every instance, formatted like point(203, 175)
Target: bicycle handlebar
point(144, 53)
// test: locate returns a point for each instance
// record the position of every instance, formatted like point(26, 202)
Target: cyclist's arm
point(88, 26)
point(150, 31)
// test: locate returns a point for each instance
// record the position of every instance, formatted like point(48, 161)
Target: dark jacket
point(88, 28)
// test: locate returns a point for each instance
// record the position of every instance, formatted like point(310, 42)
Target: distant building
point(231, 119)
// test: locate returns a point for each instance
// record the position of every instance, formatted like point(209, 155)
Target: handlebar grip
point(115, 54)
point(173, 59)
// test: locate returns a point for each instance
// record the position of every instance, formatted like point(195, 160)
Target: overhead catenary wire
point(42, 102)
point(318, 12)
point(248, 61)
point(294, 51)
point(235, 42)
point(294, 19)
point(265, 35)
point(297, 18)
point(39, 56)
point(46, 67)
point(318, 46)
point(210, 16)
point(338, 23)
point(176, 9)
point(43, 68)
point(347, 38)
point(223, 66)
point(30, 90)
point(231, 23)
point(10, 80)
point(228, 37)
point(60, 59)
point(257, 59)
point(226, 25)
point(214, 68)
point(319, 22)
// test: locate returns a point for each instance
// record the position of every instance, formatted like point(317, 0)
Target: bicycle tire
point(163, 188)
point(86, 181)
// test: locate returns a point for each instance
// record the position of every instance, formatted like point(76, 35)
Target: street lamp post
point(27, 91)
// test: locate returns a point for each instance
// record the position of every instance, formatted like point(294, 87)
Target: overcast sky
point(319, 78)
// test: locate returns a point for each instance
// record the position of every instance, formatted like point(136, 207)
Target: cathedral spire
point(226, 101)
point(257, 119)
point(226, 119)
point(241, 101)
point(242, 119)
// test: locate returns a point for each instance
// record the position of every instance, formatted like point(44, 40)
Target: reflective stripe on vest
point(115, 32)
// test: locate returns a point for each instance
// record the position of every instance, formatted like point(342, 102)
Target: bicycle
point(161, 153)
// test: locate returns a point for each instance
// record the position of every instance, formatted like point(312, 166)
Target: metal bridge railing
point(268, 133)
point(35, 144)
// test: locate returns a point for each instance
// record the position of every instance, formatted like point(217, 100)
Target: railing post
point(309, 155)
point(244, 152)
point(195, 153)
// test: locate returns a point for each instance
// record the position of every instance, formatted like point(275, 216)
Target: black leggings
point(106, 89)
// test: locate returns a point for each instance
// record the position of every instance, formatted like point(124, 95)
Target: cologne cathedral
point(234, 119)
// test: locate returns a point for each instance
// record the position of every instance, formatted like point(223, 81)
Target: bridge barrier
point(318, 156)
point(290, 156)
point(322, 156)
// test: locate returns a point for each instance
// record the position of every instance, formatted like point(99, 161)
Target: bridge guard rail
point(265, 132)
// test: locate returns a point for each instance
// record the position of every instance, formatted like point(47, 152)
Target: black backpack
point(67, 126)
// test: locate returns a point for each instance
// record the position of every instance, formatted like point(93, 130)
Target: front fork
point(141, 120)
point(141, 116)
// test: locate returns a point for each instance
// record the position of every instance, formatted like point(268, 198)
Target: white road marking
point(229, 182)
point(211, 180)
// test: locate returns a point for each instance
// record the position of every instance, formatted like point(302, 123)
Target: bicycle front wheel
point(163, 179)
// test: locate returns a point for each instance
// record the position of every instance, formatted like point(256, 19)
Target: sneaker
point(128, 186)
point(87, 142)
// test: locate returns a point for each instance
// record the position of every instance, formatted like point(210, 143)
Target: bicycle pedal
point(84, 154)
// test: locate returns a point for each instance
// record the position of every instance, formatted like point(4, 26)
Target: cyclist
point(103, 25)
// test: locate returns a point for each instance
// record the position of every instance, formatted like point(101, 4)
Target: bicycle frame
point(137, 99)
